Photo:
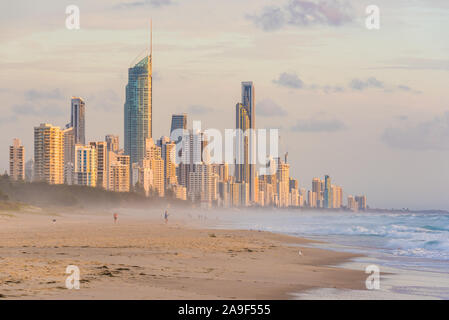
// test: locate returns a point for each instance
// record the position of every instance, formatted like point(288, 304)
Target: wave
point(413, 235)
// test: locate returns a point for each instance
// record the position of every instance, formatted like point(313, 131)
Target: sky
point(368, 107)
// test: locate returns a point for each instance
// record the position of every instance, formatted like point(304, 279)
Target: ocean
point(413, 248)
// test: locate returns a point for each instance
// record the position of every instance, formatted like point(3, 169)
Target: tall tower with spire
point(138, 106)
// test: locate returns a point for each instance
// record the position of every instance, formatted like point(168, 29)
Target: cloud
point(107, 100)
point(318, 125)
point(150, 3)
point(33, 95)
point(360, 85)
point(324, 12)
point(35, 110)
point(404, 88)
point(8, 119)
point(373, 83)
point(289, 80)
point(303, 13)
point(426, 135)
point(198, 109)
point(271, 19)
point(269, 108)
point(327, 88)
point(417, 64)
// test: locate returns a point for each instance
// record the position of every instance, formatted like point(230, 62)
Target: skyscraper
point(101, 148)
point(191, 155)
point(242, 123)
point(248, 102)
point(327, 192)
point(334, 191)
point(138, 108)
point(17, 161)
point(352, 204)
point(201, 184)
point(316, 189)
point(223, 172)
point(48, 154)
point(112, 142)
point(77, 120)
point(283, 180)
point(339, 197)
point(118, 172)
point(85, 167)
point(168, 150)
point(29, 170)
point(361, 202)
point(69, 153)
point(156, 163)
point(178, 121)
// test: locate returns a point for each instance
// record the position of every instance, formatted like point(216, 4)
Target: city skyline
point(60, 157)
point(363, 129)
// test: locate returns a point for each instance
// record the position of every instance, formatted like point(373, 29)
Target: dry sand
point(143, 258)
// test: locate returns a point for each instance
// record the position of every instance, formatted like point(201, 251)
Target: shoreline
point(142, 258)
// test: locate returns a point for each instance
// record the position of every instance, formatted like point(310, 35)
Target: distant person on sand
point(115, 217)
point(166, 216)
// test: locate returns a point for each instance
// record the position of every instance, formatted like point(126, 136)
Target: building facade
point(138, 109)
point(178, 121)
point(69, 154)
point(327, 192)
point(85, 167)
point(17, 161)
point(101, 150)
point(248, 100)
point(242, 161)
point(118, 172)
point(48, 154)
point(112, 142)
point(78, 119)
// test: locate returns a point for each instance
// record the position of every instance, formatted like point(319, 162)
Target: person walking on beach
point(166, 216)
point(115, 217)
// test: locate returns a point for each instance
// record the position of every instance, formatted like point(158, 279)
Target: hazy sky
point(368, 107)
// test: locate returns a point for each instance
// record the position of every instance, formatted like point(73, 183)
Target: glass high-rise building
point(138, 109)
point(248, 103)
point(77, 120)
point(242, 166)
point(178, 121)
point(327, 192)
point(248, 100)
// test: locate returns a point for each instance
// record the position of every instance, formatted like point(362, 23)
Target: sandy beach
point(141, 257)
